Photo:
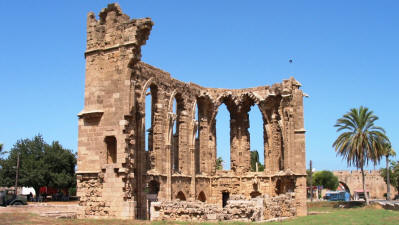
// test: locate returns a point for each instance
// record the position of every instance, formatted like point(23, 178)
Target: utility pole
point(16, 176)
point(311, 182)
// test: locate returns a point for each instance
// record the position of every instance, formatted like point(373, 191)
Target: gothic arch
point(344, 186)
point(150, 82)
point(180, 195)
point(201, 197)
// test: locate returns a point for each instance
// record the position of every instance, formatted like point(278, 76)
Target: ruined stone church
point(127, 170)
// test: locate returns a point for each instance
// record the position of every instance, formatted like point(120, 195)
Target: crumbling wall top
point(114, 30)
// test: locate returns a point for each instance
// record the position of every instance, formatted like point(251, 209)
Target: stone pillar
point(169, 172)
point(203, 144)
point(300, 196)
point(207, 145)
point(300, 151)
point(184, 147)
point(274, 157)
point(239, 141)
point(193, 181)
point(169, 155)
point(141, 163)
point(159, 129)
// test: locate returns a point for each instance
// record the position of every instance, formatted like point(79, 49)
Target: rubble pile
point(237, 209)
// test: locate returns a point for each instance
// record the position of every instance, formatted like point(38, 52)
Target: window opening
point(256, 139)
point(110, 141)
point(223, 138)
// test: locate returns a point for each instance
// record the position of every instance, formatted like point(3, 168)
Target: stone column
point(169, 155)
point(300, 151)
point(203, 145)
point(169, 172)
point(141, 164)
point(239, 141)
point(300, 196)
point(193, 155)
point(184, 147)
point(158, 139)
point(275, 145)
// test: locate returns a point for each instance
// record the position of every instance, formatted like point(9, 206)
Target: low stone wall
point(280, 206)
point(237, 209)
point(91, 203)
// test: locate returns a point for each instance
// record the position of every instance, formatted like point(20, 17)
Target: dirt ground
point(42, 207)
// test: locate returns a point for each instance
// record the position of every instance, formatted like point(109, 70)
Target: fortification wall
point(375, 183)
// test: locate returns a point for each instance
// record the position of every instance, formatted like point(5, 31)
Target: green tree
point(361, 141)
point(308, 178)
point(1, 151)
point(255, 160)
point(326, 179)
point(219, 162)
point(60, 164)
point(393, 174)
point(388, 151)
point(41, 164)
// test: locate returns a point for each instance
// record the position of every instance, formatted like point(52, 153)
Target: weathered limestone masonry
point(375, 183)
point(121, 170)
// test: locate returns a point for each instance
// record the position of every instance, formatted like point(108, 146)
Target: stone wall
point(238, 208)
point(375, 183)
point(125, 164)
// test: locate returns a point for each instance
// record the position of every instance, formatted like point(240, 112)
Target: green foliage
point(393, 174)
point(254, 160)
point(388, 150)
point(41, 164)
point(326, 179)
point(219, 162)
point(308, 178)
point(361, 140)
point(1, 151)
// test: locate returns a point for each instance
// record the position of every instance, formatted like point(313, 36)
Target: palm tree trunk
point(364, 187)
point(388, 181)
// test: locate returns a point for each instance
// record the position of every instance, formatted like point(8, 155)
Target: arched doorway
point(225, 198)
point(152, 196)
point(153, 187)
point(202, 197)
point(343, 187)
point(279, 187)
point(181, 196)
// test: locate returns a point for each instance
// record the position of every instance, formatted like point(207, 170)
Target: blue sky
point(345, 53)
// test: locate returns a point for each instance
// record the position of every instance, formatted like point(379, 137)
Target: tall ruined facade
point(121, 170)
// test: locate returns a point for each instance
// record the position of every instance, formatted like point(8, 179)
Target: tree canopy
point(393, 174)
point(326, 179)
point(219, 162)
point(361, 141)
point(254, 160)
point(41, 164)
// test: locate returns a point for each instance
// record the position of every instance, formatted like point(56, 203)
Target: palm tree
point(361, 142)
point(388, 152)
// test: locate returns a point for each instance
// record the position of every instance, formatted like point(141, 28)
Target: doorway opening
point(225, 198)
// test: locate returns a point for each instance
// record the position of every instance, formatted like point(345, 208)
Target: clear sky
point(345, 54)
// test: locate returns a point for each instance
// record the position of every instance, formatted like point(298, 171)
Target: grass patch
point(326, 213)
